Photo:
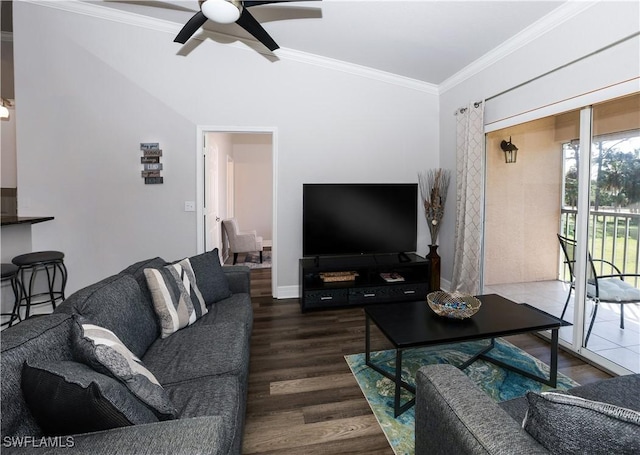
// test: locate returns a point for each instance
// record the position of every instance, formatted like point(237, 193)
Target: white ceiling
point(426, 40)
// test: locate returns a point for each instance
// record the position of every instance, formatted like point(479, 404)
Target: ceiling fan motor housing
point(228, 12)
point(221, 11)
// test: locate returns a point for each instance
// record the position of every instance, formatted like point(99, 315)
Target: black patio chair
point(610, 288)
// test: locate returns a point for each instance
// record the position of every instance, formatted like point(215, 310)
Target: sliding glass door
point(588, 197)
point(612, 236)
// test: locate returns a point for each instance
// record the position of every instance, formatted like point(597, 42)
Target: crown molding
point(358, 70)
point(547, 23)
point(101, 12)
point(138, 20)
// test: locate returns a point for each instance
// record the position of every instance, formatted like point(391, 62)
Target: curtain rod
point(608, 46)
point(602, 49)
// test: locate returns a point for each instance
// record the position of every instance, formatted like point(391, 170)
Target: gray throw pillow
point(69, 397)
point(104, 352)
point(569, 424)
point(117, 303)
point(212, 280)
point(176, 297)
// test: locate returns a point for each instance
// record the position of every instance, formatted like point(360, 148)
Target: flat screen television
point(350, 219)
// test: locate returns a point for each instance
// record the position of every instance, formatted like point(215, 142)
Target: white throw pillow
point(176, 298)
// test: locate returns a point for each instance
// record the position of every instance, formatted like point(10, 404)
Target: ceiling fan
point(227, 12)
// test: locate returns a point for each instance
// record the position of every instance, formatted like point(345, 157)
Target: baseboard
point(288, 292)
point(445, 285)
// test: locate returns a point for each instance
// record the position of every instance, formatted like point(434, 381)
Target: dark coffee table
point(413, 324)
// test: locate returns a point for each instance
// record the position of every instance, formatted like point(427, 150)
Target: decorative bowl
point(453, 305)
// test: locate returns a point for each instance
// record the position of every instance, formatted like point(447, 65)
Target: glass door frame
point(582, 227)
point(584, 104)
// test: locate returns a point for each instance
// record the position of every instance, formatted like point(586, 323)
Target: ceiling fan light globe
point(221, 11)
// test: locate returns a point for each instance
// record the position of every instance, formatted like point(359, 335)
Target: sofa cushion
point(516, 408)
point(562, 423)
point(620, 390)
point(212, 281)
point(199, 351)
point(176, 297)
point(117, 303)
point(69, 397)
point(104, 352)
point(223, 396)
point(43, 338)
point(137, 271)
point(239, 278)
point(236, 308)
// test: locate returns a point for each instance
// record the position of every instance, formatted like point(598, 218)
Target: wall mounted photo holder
point(151, 165)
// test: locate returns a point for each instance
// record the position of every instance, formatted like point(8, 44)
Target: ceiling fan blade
point(191, 27)
point(248, 3)
point(250, 24)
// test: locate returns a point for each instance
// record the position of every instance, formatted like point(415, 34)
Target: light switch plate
point(189, 206)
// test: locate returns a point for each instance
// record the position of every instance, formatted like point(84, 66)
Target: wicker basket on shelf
point(332, 277)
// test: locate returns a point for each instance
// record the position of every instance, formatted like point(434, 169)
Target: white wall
point(8, 147)
point(93, 89)
point(253, 182)
point(594, 28)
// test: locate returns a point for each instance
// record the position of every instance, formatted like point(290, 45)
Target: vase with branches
point(434, 185)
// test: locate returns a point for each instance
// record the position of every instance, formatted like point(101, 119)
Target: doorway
point(236, 178)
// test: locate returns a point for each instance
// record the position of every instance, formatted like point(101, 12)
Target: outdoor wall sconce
point(510, 151)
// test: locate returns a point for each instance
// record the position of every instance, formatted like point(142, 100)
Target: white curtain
point(469, 205)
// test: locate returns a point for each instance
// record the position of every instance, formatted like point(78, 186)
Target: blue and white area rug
point(499, 383)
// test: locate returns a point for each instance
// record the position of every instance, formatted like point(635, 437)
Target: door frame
point(211, 198)
point(201, 130)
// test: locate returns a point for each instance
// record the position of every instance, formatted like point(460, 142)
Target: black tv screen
point(341, 219)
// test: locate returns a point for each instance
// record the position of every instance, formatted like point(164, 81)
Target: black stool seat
point(10, 273)
point(52, 264)
point(37, 258)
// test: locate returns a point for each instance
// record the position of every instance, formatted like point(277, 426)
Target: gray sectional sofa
point(201, 369)
point(453, 416)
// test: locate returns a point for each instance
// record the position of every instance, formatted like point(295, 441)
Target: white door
point(212, 231)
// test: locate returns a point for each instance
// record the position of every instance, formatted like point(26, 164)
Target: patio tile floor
point(621, 346)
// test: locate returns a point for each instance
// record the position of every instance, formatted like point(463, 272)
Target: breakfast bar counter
point(11, 220)
point(16, 234)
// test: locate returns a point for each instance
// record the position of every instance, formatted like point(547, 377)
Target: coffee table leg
point(553, 374)
point(398, 408)
point(398, 381)
point(367, 342)
point(553, 368)
point(479, 355)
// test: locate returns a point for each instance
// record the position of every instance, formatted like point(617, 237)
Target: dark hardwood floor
point(302, 396)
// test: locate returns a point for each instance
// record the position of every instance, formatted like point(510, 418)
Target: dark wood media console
point(369, 286)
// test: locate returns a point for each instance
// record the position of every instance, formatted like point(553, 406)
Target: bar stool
point(51, 262)
point(10, 274)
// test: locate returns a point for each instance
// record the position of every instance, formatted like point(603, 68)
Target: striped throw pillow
point(176, 297)
point(103, 351)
